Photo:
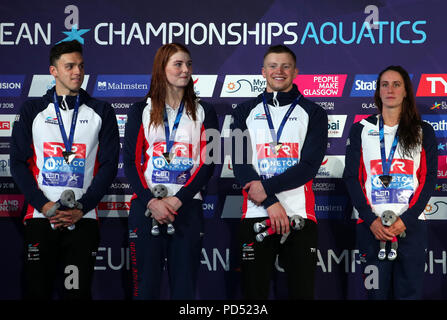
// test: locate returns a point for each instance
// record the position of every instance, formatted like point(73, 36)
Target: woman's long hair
point(159, 83)
point(410, 129)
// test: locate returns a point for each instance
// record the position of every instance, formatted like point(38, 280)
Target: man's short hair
point(280, 48)
point(62, 48)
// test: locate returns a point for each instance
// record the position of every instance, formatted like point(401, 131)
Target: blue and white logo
point(438, 122)
point(364, 85)
point(122, 85)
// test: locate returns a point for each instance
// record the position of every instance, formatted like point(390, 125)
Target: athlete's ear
point(53, 71)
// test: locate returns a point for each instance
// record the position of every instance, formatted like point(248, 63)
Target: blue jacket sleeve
point(427, 176)
point(312, 154)
point(134, 142)
point(107, 159)
point(205, 170)
point(353, 174)
point(22, 154)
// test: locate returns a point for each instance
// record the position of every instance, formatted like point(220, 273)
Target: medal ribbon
point(277, 136)
point(68, 142)
point(170, 136)
point(386, 163)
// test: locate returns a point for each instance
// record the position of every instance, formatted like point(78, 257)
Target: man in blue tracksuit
point(287, 140)
point(63, 140)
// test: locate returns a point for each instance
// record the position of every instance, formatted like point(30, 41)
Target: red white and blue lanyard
point(277, 136)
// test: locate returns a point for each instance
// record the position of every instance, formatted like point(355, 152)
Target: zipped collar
point(69, 100)
point(281, 98)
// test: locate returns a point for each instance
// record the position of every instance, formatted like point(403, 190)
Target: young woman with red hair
point(165, 147)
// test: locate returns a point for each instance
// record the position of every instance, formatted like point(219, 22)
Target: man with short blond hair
point(287, 143)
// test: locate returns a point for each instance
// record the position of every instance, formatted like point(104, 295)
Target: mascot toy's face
point(160, 191)
point(68, 199)
point(388, 218)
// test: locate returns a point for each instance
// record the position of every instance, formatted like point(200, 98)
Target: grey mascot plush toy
point(159, 191)
point(296, 223)
point(67, 200)
point(388, 218)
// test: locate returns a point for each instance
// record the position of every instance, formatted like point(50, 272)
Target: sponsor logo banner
point(442, 167)
point(432, 85)
point(438, 122)
point(321, 85)
point(6, 123)
point(122, 85)
point(336, 125)
point(364, 85)
point(11, 205)
point(5, 165)
point(436, 209)
point(331, 167)
point(204, 85)
point(11, 85)
point(114, 206)
point(242, 86)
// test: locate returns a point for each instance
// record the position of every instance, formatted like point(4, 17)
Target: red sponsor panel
point(442, 167)
point(180, 149)
point(321, 85)
point(432, 85)
point(288, 150)
point(114, 205)
point(398, 166)
point(11, 205)
point(360, 117)
point(54, 149)
point(5, 125)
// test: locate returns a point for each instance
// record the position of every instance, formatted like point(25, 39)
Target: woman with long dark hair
point(391, 169)
point(164, 160)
